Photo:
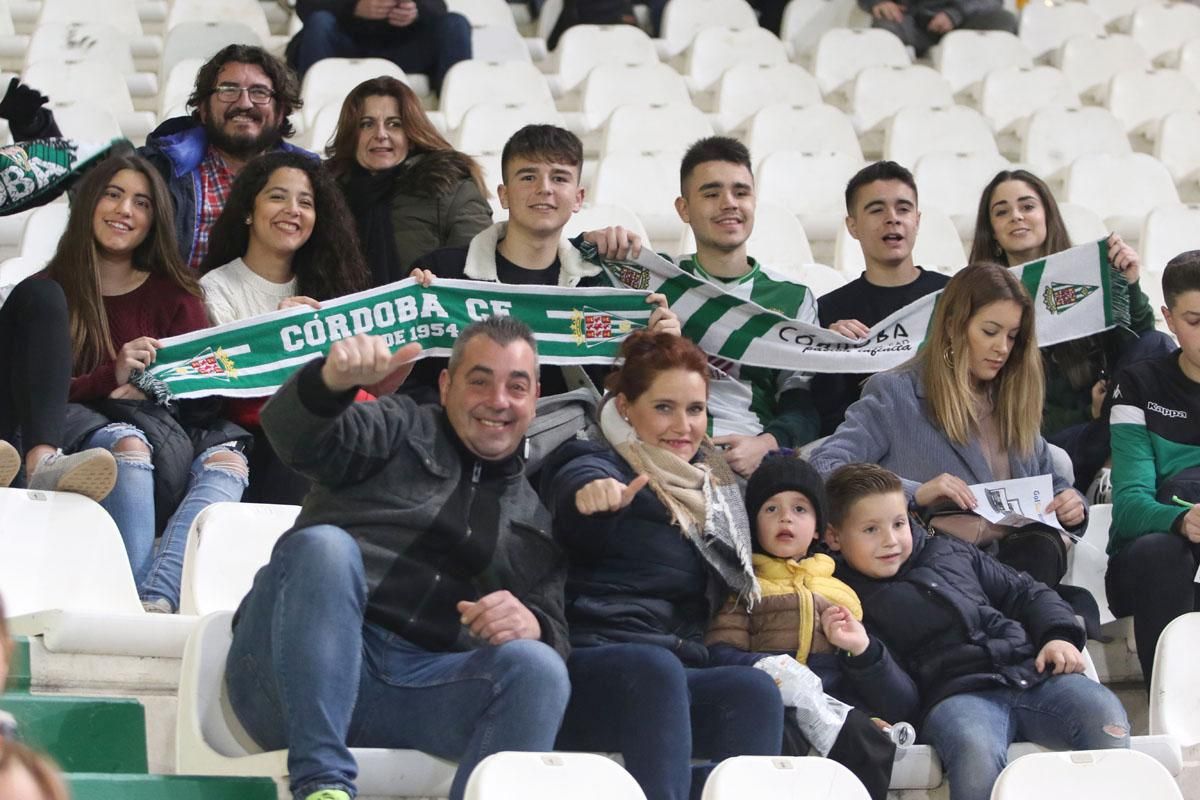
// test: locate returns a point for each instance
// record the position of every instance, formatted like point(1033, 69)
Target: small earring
point(249, 220)
point(625, 418)
point(948, 356)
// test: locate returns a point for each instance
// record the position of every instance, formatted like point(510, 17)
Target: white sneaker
point(1101, 489)
point(91, 473)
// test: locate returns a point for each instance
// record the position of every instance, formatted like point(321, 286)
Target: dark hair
point(75, 264)
point(329, 264)
point(985, 247)
point(852, 482)
point(45, 774)
point(501, 329)
point(422, 136)
point(545, 143)
point(879, 171)
point(644, 354)
point(284, 82)
point(1182, 274)
point(712, 148)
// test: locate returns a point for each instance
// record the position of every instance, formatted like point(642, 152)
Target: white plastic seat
point(1174, 694)
point(611, 85)
point(683, 19)
point(43, 229)
point(202, 39)
point(1009, 95)
point(1087, 561)
point(953, 182)
point(1043, 28)
point(210, 741)
point(879, 92)
point(583, 47)
point(1161, 29)
point(745, 89)
point(804, 21)
point(1167, 232)
point(715, 50)
point(471, 82)
point(819, 278)
point(913, 132)
point(83, 121)
point(1116, 13)
point(551, 776)
point(594, 216)
point(484, 12)
point(1189, 61)
point(1177, 145)
point(778, 241)
point(781, 776)
point(16, 269)
point(809, 185)
point(1094, 774)
point(178, 85)
point(318, 133)
point(1141, 98)
point(120, 14)
point(1090, 61)
point(487, 126)
point(1054, 137)
point(821, 128)
point(1121, 189)
point(226, 545)
point(246, 12)
point(499, 43)
point(331, 79)
point(665, 130)
point(95, 82)
point(964, 57)
point(1083, 225)
point(647, 186)
point(842, 53)
point(81, 41)
point(938, 246)
point(12, 44)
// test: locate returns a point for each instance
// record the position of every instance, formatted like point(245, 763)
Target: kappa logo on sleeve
point(1169, 413)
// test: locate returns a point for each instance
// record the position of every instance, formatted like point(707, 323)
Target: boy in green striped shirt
point(1154, 541)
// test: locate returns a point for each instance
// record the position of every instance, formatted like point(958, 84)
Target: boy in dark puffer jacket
point(984, 655)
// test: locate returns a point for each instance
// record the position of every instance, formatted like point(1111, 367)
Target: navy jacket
point(957, 620)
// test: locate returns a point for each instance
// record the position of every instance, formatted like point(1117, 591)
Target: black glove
point(22, 107)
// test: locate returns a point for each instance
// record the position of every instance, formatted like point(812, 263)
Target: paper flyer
point(1016, 502)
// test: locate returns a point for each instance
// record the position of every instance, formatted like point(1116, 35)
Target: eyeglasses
point(229, 93)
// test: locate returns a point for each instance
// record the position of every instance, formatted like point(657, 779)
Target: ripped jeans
point(971, 732)
point(158, 575)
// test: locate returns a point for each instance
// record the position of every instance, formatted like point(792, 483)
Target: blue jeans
point(430, 46)
point(971, 732)
point(641, 700)
point(131, 506)
point(306, 673)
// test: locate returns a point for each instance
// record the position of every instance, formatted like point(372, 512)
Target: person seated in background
point(285, 238)
point(921, 24)
point(964, 410)
point(418, 36)
point(409, 191)
point(1154, 541)
point(241, 104)
point(1019, 221)
point(418, 600)
point(987, 655)
point(882, 215)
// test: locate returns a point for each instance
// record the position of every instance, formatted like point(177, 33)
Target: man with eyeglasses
point(239, 109)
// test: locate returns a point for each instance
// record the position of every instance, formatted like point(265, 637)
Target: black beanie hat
point(782, 471)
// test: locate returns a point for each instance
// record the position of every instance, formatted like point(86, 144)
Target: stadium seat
point(491, 13)
point(715, 50)
point(97, 82)
point(1161, 29)
point(1177, 145)
point(1044, 27)
point(1167, 232)
point(821, 128)
point(1115, 13)
point(583, 47)
point(781, 776)
point(499, 43)
point(44, 228)
point(964, 57)
point(209, 740)
point(331, 79)
point(878, 92)
point(664, 130)
point(200, 40)
point(247, 12)
point(1094, 774)
point(1054, 137)
point(611, 85)
point(12, 44)
point(120, 14)
point(1174, 694)
point(1090, 61)
point(178, 86)
point(1121, 189)
point(1083, 225)
point(778, 240)
point(81, 41)
point(647, 186)
point(804, 21)
point(487, 126)
point(16, 269)
point(938, 246)
point(594, 216)
point(468, 83)
point(683, 19)
point(1189, 61)
point(84, 121)
point(743, 90)
point(1141, 98)
point(226, 545)
point(1087, 561)
point(913, 132)
point(809, 185)
point(842, 53)
point(318, 133)
point(953, 183)
point(1010, 94)
point(819, 278)
point(550, 776)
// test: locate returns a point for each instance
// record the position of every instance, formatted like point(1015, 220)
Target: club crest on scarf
point(591, 326)
point(214, 364)
point(1059, 297)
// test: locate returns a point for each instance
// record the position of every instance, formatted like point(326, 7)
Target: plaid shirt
point(216, 179)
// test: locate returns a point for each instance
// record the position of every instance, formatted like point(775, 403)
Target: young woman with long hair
point(966, 409)
point(410, 191)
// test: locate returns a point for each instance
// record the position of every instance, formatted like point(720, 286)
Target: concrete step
point(100, 786)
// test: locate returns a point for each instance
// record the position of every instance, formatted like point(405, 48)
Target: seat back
point(804, 21)
point(806, 183)
point(482, 13)
point(1089, 61)
point(1177, 145)
point(583, 47)
point(1010, 94)
point(81, 80)
point(1174, 692)
point(879, 92)
point(683, 19)
point(1130, 185)
point(1087, 561)
point(842, 53)
point(1083, 224)
point(201, 39)
point(1140, 98)
point(611, 85)
point(81, 41)
point(913, 132)
point(487, 126)
point(964, 57)
point(1161, 29)
point(202, 724)
point(331, 79)
point(1094, 774)
point(551, 776)
point(716, 49)
point(1167, 232)
point(746, 89)
point(178, 86)
point(1045, 27)
point(246, 12)
point(778, 241)
point(822, 128)
point(43, 229)
point(594, 216)
point(779, 776)
point(120, 14)
point(938, 246)
point(469, 83)
point(667, 130)
point(1054, 137)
